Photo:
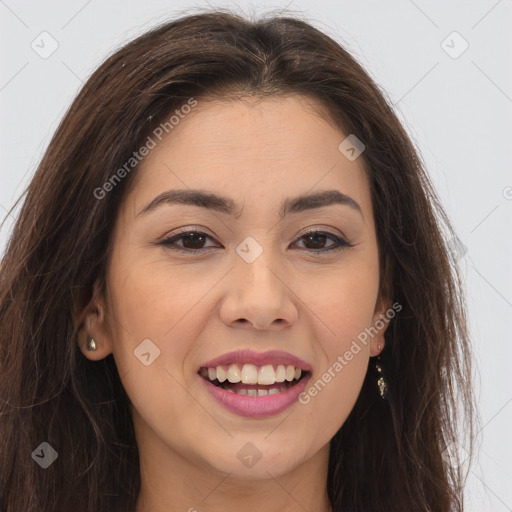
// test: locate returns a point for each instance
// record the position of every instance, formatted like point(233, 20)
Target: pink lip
point(256, 406)
point(257, 358)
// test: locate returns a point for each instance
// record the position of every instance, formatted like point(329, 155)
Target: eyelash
point(341, 244)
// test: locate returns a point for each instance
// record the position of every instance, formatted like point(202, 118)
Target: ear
point(95, 325)
point(381, 319)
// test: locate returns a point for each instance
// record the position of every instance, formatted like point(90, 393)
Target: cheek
point(154, 300)
point(330, 396)
point(344, 307)
point(157, 304)
point(150, 302)
point(343, 302)
point(334, 388)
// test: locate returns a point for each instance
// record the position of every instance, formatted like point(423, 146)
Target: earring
point(91, 344)
point(381, 383)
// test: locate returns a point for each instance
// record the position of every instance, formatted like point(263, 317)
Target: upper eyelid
point(204, 230)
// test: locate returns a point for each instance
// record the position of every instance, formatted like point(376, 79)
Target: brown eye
point(192, 241)
point(315, 241)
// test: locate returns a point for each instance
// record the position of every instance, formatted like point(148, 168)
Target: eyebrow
point(209, 200)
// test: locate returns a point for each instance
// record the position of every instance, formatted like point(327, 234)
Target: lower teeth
point(256, 392)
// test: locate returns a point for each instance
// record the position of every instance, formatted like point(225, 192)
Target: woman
point(228, 285)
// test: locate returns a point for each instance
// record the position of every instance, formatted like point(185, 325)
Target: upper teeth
point(252, 374)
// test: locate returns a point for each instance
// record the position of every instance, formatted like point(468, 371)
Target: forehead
point(261, 148)
point(248, 130)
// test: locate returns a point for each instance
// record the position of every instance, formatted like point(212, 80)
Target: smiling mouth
point(252, 380)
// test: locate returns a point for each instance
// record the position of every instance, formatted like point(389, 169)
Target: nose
point(258, 296)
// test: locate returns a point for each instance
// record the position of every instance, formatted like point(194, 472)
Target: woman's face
point(249, 279)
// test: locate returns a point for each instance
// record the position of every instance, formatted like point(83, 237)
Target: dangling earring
point(381, 383)
point(91, 344)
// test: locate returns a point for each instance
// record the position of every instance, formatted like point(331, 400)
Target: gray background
point(457, 108)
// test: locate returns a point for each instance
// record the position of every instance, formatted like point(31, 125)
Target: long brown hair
point(390, 455)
